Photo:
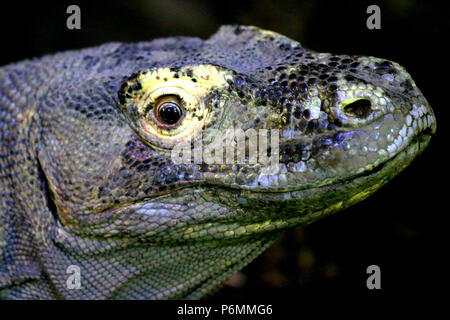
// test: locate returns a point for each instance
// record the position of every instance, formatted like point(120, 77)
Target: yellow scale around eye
point(192, 84)
point(195, 81)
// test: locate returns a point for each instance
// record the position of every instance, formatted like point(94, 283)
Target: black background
point(401, 227)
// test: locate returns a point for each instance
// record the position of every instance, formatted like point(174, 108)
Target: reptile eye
point(168, 110)
point(360, 109)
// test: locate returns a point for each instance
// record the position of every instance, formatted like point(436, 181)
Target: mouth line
point(419, 138)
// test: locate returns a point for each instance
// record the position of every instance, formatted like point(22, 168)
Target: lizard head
point(244, 133)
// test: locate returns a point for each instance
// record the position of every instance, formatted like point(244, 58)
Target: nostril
point(360, 109)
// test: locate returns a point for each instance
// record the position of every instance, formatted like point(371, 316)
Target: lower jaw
point(383, 172)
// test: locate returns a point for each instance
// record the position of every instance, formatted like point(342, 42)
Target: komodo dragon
point(90, 187)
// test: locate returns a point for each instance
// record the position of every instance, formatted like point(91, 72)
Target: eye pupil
point(169, 110)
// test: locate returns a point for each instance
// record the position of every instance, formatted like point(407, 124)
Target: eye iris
point(169, 112)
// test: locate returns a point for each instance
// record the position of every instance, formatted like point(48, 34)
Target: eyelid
point(153, 96)
point(161, 99)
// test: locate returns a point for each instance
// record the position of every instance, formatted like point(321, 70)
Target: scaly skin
point(86, 176)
